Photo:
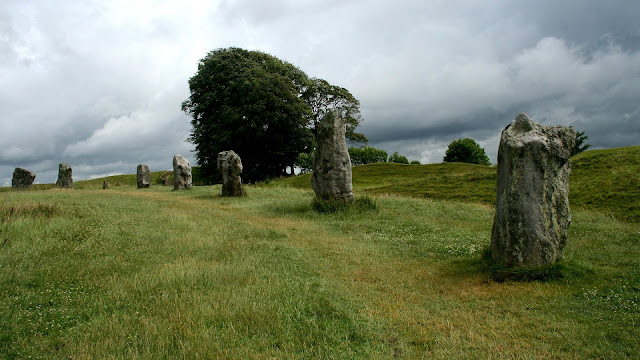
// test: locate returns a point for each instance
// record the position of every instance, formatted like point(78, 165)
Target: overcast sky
point(99, 84)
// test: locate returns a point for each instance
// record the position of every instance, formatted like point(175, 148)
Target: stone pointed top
point(522, 123)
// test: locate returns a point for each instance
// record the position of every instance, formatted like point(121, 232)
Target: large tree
point(249, 102)
point(322, 97)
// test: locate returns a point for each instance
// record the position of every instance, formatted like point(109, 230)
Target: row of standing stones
point(23, 178)
point(532, 202)
point(532, 214)
point(229, 164)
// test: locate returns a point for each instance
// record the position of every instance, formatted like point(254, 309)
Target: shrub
point(304, 162)
point(366, 155)
point(467, 151)
point(397, 158)
point(415, 162)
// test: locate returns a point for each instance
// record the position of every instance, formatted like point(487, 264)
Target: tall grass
point(152, 273)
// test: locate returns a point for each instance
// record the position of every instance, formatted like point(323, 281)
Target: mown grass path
point(126, 273)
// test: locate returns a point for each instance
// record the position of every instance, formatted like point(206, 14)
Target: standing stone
point(230, 165)
point(331, 178)
point(181, 173)
point(104, 184)
point(143, 176)
point(532, 203)
point(65, 178)
point(22, 179)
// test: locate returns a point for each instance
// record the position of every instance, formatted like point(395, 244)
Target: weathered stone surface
point(181, 173)
point(143, 175)
point(104, 184)
point(230, 165)
point(22, 178)
point(532, 203)
point(65, 178)
point(331, 179)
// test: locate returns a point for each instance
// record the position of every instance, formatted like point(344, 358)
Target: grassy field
point(607, 181)
point(150, 274)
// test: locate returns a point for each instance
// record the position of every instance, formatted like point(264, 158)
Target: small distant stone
point(143, 176)
point(181, 173)
point(22, 179)
point(65, 178)
point(104, 184)
point(230, 165)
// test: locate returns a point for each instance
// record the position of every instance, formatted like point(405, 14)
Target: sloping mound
point(603, 180)
point(607, 180)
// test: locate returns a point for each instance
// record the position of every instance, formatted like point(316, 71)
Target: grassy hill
point(601, 180)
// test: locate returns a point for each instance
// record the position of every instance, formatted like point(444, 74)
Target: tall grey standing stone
point(331, 179)
point(181, 173)
point(532, 202)
point(104, 184)
point(22, 178)
point(65, 178)
point(143, 176)
point(230, 165)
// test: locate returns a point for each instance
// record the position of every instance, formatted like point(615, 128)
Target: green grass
point(603, 180)
point(608, 181)
point(153, 273)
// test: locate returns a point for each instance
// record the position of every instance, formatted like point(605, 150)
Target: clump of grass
point(30, 210)
point(359, 204)
point(560, 270)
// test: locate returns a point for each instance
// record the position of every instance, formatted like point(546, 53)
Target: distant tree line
point(360, 155)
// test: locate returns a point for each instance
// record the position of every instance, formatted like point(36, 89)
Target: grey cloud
point(102, 88)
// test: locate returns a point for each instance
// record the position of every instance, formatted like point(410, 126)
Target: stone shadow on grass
point(563, 270)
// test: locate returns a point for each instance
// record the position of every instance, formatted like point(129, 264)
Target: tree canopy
point(263, 108)
point(249, 102)
point(322, 97)
point(466, 150)
point(366, 155)
point(397, 158)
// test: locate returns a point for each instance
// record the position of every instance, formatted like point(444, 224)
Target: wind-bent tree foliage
point(366, 155)
point(322, 97)
point(249, 102)
point(580, 143)
point(466, 150)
